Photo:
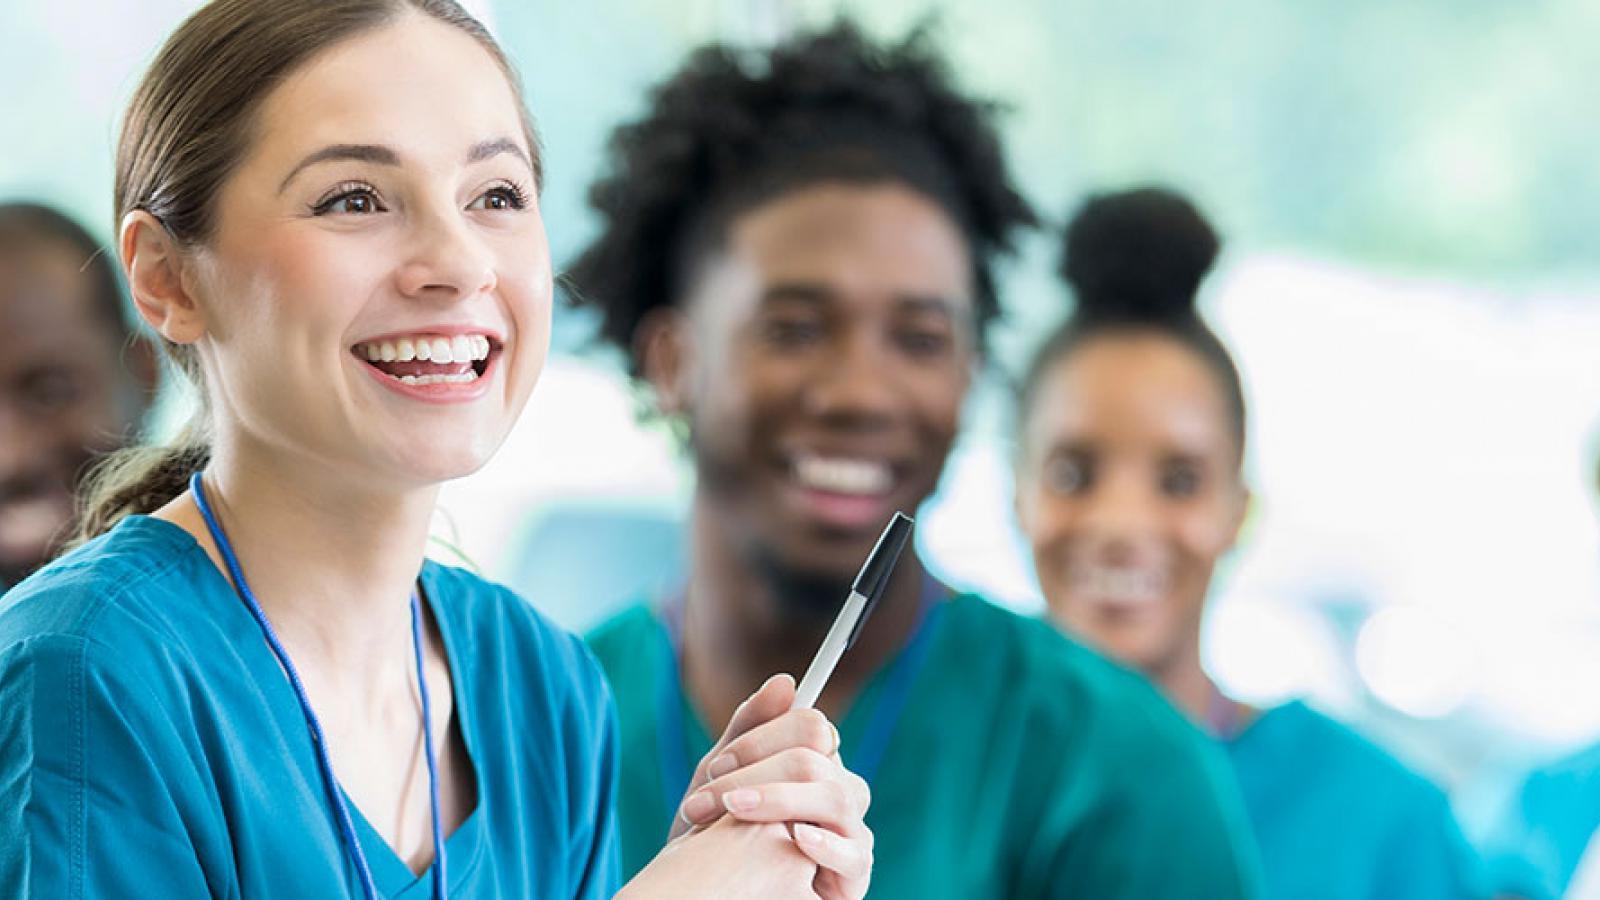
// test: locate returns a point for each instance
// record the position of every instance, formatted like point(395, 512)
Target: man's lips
point(846, 492)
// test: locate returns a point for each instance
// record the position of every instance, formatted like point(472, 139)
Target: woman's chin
point(426, 465)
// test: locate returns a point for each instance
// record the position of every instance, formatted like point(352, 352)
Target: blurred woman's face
point(1128, 490)
point(377, 291)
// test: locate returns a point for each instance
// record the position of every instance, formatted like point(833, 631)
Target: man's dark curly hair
point(730, 131)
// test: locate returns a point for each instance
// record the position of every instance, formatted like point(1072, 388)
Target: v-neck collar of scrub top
point(465, 845)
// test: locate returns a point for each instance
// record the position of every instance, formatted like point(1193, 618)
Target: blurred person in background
point(75, 381)
point(797, 254)
point(1130, 488)
point(1546, 842)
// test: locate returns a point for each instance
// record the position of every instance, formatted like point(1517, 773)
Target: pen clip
point(873, 579)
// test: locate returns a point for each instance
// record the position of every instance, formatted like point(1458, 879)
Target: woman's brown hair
point(187, 127)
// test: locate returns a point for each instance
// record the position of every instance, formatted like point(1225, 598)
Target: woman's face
point(377, 290)
point(1128, 490)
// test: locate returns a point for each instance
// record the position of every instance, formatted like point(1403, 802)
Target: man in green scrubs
point(796, 254)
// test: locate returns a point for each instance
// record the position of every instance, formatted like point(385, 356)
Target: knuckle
point(773, 831)
point(818, 731)
point(808, 765)
point(839, 799)
point(863, 792)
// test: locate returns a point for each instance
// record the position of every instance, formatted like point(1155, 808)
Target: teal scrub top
point(150, 745)
point(1011, 763)
point(1539, 839)
point(1336, 817)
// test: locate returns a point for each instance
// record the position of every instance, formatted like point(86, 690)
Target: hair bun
point(1137, 255)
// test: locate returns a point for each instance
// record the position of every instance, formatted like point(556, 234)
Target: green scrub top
point(1004, 759)
point(150, 745)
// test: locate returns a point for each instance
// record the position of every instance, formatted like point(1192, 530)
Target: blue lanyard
point(864, 759)
point(341, 811)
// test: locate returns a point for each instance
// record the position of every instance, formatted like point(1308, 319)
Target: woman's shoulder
point(1319, 742)
point(499, 630)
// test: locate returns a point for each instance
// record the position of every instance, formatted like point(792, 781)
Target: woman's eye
point(500, 199)
point(1180, 480)
point(925, 343)
point(1065, 475)
point(354, 202)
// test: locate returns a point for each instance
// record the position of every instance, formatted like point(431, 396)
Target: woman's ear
point(154, 266)
point(663, 347)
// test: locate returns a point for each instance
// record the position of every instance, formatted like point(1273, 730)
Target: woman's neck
point(1186, 684)
point(333, 562)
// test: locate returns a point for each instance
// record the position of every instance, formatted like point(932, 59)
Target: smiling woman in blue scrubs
point(1129, 488)
point(247, 682)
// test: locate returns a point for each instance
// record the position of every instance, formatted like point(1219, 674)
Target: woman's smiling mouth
point(432, 366)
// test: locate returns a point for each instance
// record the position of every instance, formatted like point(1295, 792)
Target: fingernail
point(700, 805)
point(809, 835)
point(837, 741)
point(742, 800)
point(722, 765)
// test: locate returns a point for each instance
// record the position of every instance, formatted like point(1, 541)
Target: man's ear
point(664, 347)
point(155, 270)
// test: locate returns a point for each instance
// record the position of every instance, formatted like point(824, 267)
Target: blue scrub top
point(1337, 817)
point(1541, 836)
point(150, 746)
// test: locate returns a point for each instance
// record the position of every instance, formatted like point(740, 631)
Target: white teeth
point(1121, 586)
point(459, 349)
point(843, 476)
point(466, 377)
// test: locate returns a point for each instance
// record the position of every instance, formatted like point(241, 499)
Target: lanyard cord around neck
point(341, 810)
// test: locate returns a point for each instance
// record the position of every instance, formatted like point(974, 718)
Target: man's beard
point(804, 596)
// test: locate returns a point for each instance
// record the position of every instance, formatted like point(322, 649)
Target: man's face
point(829, 346)
point(66, 394)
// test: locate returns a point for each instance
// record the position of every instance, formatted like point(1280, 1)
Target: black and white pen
point(864, 593)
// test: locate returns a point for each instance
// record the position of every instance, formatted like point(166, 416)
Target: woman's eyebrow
point(483, 150)
point(372, 153)
point(376, 153)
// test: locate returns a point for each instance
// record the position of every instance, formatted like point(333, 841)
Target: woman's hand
point(730, 859)
point(774, 765)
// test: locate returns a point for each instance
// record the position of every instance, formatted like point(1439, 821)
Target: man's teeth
point(459, 349)
point(1116, 585)
point(843, 476)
